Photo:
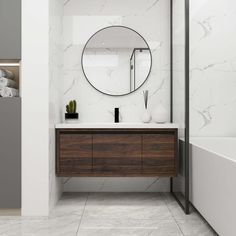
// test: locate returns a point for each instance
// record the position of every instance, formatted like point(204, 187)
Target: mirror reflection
point(116, 60)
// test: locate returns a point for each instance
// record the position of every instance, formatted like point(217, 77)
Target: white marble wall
point(82, 18)
point(213, 68)
point(55, 78)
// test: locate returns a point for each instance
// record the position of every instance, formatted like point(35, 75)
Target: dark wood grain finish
point(75, 154)
point(117, 153)
point(158, 154)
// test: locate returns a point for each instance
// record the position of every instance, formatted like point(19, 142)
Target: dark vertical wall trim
point(171, 73)
point(130, 75)
point(171, 61)
point(187, 64)
point(134, 70)
point(184, 205)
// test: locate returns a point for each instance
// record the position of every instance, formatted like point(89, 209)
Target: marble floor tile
point(38, 226)
point(70, 204)
point(195, 227)
point(176, 210)
point(124, 216)
point(73, 199)
point(114, 232)
point(166, 228)
point(124, 210)
point(138, 214)
point(8, 224)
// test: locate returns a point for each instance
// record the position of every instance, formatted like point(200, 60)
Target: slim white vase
point(146, 117)
point(160, 114)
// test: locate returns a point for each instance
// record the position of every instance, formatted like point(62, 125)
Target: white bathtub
point(213, 182)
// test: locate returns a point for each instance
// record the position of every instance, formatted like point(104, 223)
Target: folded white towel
point(4, 82)
point(6, 73)
point(9, 92)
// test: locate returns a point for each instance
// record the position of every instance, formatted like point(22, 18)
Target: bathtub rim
point(191, 142)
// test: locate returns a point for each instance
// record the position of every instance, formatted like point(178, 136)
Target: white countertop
point(116, 125)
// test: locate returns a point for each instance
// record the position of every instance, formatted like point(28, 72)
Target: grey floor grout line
point(172, 214)
point(82, 215)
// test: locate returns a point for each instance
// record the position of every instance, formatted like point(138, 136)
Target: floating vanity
point(119, 149)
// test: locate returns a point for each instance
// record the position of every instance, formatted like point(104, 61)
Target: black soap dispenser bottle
point(116, 115)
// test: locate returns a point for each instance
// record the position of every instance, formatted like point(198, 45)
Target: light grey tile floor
point(110, 214)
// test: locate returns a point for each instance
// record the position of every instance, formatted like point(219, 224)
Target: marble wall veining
point(81, 19)
point(55, 77)
point(213, 68)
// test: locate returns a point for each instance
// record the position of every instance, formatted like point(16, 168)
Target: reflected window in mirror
point(116, 60)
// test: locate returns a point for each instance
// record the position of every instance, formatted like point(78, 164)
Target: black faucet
point(117, 115)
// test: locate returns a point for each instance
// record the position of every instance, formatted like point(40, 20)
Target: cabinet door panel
point(10, 153)
point(75, 153)
point(159, 154)
point(118, 154)
point(10, 28)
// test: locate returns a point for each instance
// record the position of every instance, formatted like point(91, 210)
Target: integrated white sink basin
point(116, 125)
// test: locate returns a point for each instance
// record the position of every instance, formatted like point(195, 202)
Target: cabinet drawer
point(117, 154)
point(75, 153)
point(159, 154)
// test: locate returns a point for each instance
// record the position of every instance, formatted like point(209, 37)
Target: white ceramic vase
point(146, 117)
point(160, 114)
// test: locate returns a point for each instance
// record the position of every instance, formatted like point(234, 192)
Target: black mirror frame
point(82, 65)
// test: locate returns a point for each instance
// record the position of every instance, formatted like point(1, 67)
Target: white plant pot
point(146, 117)
point(160, 114)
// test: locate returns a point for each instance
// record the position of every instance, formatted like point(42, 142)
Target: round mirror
point(116, 60)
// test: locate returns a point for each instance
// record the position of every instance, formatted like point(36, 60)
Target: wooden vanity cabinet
point(159, 154)
point(116, 152)
point(75, 153)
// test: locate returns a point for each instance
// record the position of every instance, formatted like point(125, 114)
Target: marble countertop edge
point(117, 125)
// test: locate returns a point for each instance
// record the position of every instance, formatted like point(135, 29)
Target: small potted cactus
point(71, 113)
